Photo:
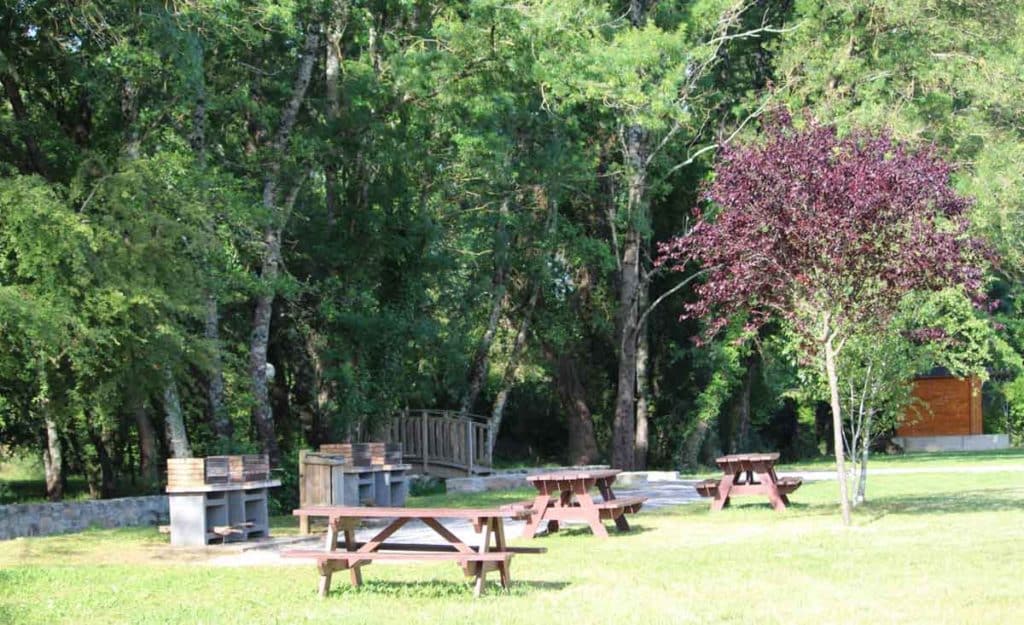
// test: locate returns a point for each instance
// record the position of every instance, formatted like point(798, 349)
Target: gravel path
point(659, 495)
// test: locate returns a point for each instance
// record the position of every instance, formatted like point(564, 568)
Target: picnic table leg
point(591, 514)
point(771, 489)
point(326, 568)
point(605, 487)
point(481, 567)
point(564, 501)
point(499, 544)
point(304, 524)
point(722, 496)
point(540, 508)
point(355, 572)
point(775, 481)
point(325, 578)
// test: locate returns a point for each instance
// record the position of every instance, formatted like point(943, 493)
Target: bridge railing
point(443, 437)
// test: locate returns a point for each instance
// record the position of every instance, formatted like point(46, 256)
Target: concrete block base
point(974, 442)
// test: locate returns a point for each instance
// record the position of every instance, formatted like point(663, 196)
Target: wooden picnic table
point(476, 560)
point(565, 496)
point(748, 474)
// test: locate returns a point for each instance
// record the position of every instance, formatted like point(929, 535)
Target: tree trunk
point(335, 29)
point(740, 439)
point(217, 415)
point(147, 444)
point(174, 419)
point(130, 114)
point(624, 423)
point(837, 425)
point(103, 487)
point(478, 370)
point(324, 390)
point(260, 336)
point(508, 378)
point(36, 160)
point(481, 360)
point(582, 443)
point(642, 387)
point(220, 421)
point(692, 445)
point(258, 344)
point(865, 451)
point(53, 459)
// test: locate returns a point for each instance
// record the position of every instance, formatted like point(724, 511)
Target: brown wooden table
point(565, 496)
point(748, 474)
point(476, 560)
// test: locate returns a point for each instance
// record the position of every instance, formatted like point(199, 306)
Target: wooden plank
point(622, 502)
point(395, 556)
point(442, 548)
point(410, 513)
point(573, 475)
point(950, 408)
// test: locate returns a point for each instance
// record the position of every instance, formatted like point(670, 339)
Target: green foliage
point(135, 139)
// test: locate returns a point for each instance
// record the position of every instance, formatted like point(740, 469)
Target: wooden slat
point(411, 513)
point(352, 556)
point(573, 475)
point(621, 502)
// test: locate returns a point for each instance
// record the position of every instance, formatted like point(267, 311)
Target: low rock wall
point(44, 519)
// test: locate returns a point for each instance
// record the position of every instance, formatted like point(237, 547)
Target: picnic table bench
point(476, 560)
point(564, 496)
point(748, 474)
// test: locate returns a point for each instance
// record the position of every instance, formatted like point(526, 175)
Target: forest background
point(236, 226)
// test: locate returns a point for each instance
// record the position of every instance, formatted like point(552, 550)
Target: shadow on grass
point(989, 500)
point(583, 530)
point(443, 589)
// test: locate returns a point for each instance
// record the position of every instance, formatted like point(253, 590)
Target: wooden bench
point(788, 484)
point(350, 557)
point(474, 560)
point(563, 496)
point(748, 474)
point(624, 505)
point(707, 488)
point(425, 547)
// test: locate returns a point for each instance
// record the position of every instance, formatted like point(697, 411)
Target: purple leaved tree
point(828, 233)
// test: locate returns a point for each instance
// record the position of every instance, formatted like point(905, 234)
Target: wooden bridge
point(444, 443)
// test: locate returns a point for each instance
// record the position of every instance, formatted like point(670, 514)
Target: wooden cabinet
point(946, 406)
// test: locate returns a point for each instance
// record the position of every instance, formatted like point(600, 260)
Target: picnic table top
point(573, 474)
point(772, 457)
point(371, 512)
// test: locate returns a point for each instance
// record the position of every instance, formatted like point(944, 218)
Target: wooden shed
point(954, 403)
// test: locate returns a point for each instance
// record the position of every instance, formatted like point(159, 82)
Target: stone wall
point(44, 519)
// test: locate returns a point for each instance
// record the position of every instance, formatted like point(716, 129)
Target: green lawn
point(921, 460)
point(928, 548)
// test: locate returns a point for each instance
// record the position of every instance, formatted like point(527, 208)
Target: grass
point(22, 481)
point(922, 460)
point(928, 548)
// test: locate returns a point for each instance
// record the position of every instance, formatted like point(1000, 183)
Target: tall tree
point(828, 233)
point(278, 211)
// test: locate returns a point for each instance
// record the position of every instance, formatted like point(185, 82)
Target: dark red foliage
point(807, 223)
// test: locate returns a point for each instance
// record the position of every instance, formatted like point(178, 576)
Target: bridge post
point(424, 431)
point(470, 446)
